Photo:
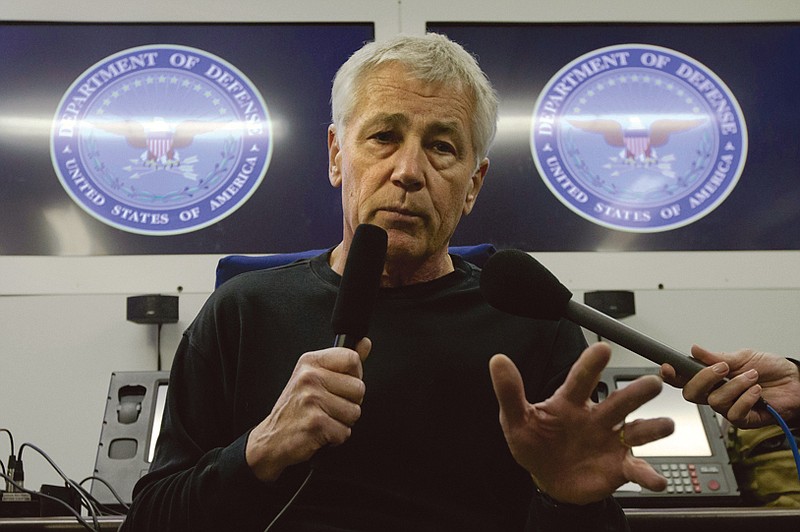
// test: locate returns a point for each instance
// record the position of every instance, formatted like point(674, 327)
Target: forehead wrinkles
point(398, 100)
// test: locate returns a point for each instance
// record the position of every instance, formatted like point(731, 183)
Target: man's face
point(406, 162)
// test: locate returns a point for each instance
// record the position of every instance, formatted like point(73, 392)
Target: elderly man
point(409, 418)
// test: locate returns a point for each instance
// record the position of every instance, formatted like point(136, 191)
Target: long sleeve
point(547, 515)
point(189, 488)
point(229, 369)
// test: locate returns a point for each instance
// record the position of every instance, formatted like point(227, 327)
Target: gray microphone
point(514, 282)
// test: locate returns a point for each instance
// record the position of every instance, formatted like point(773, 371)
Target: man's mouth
point(400, 213)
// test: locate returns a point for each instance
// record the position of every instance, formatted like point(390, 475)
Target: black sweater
point(428, 453)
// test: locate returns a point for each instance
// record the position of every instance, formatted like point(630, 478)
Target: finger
point(509, 389)
point(723, 398)
point(363, 348)
point(335, 359)
point(642, 431)
point(585, 373)
point(671, 377)
point(326, 401)
point(639, 471)
point(330, 432)
point(698, 387)
point(342, 410)
point(708, 358)
point(345, 386)
point(336, 371)
point(741, 412)
point(705, 356)
point(625, 400)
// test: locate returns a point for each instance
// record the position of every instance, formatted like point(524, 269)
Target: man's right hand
point(318, 407)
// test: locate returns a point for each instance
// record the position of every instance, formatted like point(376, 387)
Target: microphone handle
point(639, 343)
point(345, 340)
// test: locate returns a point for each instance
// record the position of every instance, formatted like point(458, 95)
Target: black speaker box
point(153, 308)
point(616, 303)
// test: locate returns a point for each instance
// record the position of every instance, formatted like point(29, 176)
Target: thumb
point(363, 347)
point(509, 389)
point(707, 357)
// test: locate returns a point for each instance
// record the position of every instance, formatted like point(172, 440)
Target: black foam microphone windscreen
point(514, 282)
point(359, 286)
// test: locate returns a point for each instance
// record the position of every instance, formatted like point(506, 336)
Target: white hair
point(431, 58)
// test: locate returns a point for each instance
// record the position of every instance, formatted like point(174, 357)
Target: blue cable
point(789, 436)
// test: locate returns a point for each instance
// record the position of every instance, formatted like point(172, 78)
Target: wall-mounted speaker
point(153, 308)
point(616, 303)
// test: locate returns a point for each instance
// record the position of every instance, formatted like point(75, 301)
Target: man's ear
point(334, 158)
point(476, 182)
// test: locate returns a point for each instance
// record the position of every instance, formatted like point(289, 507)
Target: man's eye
point(383, 136)
point(444, 147)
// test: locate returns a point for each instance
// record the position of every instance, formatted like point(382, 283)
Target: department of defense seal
point(638, 138)
point(161, 139)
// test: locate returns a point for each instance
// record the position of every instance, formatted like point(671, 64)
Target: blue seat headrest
point(232, 265)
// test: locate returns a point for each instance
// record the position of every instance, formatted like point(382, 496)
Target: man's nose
point(409, 167)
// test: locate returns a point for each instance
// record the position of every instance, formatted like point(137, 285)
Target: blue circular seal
point(161, 139)
point(638, 138)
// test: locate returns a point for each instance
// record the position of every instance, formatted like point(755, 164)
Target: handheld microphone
point(514, 282)
point(358, 289)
